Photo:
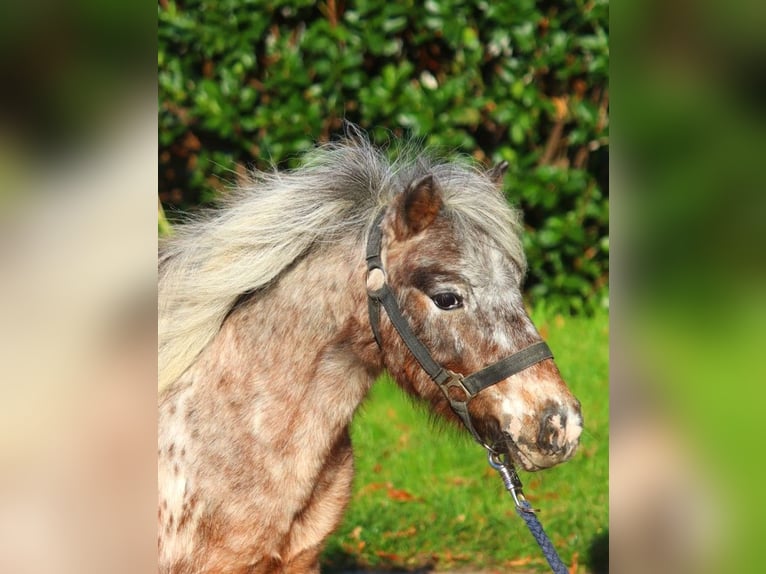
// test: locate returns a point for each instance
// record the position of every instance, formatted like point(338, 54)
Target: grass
point(424, 496)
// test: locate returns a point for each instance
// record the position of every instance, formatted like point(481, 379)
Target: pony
point(267, 345)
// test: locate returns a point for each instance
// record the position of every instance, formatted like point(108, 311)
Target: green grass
point(424, 495)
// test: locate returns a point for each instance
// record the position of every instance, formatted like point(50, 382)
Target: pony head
point(452, 256)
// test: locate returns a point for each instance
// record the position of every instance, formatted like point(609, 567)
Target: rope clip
point(511, 480)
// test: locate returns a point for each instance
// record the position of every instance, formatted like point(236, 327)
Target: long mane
point(265, 225)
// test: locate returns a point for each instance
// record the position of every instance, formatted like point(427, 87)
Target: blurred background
point(688, 284)
point(527, 82)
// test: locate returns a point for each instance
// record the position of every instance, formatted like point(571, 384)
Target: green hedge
point(249, 83)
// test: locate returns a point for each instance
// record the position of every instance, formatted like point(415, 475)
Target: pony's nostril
point(552, 435)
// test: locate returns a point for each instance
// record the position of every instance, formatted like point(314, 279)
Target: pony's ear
point(497, 173)
point(417, 207)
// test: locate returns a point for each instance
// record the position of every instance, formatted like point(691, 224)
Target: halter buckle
point(454, 385)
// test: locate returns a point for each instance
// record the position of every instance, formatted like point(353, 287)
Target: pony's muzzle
point(552, 441)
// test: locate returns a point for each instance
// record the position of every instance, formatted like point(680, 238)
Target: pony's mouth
point(517, 455)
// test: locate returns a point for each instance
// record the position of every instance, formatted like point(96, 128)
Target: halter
point(458, 389)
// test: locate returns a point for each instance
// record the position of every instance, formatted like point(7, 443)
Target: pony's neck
point(299, 355)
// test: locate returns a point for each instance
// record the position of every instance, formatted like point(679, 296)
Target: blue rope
point(527, 513)
point(530, 518)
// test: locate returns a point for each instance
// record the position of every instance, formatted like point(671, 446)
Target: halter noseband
point(458, 388)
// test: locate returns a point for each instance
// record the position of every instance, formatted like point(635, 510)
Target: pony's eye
point(448, 301)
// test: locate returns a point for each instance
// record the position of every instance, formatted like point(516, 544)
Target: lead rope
point(513, 485)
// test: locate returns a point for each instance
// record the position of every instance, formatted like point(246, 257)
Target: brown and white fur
point(266, 348)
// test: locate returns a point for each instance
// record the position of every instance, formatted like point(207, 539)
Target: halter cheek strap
point(458, 389)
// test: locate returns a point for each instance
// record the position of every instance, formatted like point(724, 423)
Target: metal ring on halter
point(452, 380)
point(376, 279)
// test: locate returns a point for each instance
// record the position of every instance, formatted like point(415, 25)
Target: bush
point(248, 82)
